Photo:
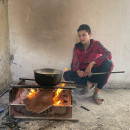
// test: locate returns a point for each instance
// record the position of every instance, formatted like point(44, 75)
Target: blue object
point(1, 109)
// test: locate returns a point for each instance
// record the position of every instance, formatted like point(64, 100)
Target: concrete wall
point(43, 33)
point(4, 45)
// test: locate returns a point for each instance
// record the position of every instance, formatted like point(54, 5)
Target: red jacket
point(95, 52)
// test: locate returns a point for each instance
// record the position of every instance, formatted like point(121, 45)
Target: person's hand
point(81, 73)
point(88, 69)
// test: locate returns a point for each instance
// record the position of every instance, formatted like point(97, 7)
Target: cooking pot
point(47, 76)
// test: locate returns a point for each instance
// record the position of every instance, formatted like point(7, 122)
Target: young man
point(90, 56)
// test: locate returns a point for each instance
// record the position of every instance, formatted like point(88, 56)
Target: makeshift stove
point(41, 102)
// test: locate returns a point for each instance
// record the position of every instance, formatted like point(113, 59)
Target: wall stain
point(11, 58)
point(2, 1)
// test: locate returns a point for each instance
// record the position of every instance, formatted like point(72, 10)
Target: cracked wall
point(4, 45)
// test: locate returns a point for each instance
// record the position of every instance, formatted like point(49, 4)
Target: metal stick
point(85, 108)
point(107, 72)
point(3, 92)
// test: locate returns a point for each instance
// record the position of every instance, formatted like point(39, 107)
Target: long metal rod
point(85, 108)
point(47, 118)
point(107, 72)
point(44, 87)
point(4, 91)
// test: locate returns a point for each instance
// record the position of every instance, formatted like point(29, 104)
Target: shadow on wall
point(2, 1)
point(43, 23)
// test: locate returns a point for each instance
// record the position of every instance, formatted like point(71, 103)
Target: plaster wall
point(43, 33)
point(4, 45)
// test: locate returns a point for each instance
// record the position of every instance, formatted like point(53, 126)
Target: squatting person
point(89, 56)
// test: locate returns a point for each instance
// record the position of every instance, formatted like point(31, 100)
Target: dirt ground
point(114, 114)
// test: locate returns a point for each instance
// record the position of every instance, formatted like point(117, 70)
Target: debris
point(1, 109)
point(5, 112)
point(11, 123)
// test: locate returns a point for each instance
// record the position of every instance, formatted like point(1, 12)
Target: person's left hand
point(88, 69)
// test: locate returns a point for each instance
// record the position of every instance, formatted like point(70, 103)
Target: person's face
point(84, 37)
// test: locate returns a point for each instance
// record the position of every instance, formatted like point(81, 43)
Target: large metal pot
point(47, 76)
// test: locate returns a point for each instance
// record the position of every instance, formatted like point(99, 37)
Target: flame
point(65, 69)
point(32, 92)
point(57, 93)
point(37, 89)
point(63, 84)
point(57, 103)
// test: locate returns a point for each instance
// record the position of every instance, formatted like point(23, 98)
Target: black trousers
point(101, 80)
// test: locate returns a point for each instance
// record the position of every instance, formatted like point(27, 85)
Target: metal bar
point(45, 87)
point(47, 118)
point(107, 72)
point(4, 91)
point(85, 108)
point(12, 104)
point(69, 82)
point(26, 79)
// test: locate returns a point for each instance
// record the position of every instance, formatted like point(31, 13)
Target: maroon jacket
point(95, 52)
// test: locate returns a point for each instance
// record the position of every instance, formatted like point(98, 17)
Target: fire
point(63, 84)
point(32, 92)
point(57, 103)
point(65, 69)
point(57, 93)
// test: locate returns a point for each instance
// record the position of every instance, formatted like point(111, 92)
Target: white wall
point(43, 33)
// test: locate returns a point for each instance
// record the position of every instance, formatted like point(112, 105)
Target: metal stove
point(42, 105)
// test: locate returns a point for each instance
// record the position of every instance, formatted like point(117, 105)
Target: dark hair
point(84, 27)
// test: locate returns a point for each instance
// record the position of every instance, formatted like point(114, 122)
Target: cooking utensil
point(47, 76)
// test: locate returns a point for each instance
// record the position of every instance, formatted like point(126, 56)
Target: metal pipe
point(4, 91)
point(85, 108)
point(107, 72)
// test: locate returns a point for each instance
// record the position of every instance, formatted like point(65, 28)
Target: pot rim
point(39, 71)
